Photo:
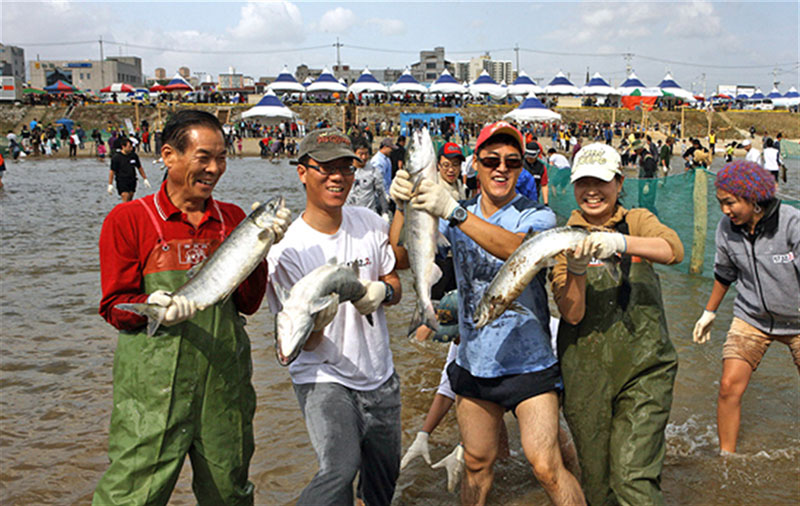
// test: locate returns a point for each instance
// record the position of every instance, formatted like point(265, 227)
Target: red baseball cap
point(451, 150)
point(497, 128)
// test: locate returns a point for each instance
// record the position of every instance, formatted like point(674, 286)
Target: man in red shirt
point(187, 389)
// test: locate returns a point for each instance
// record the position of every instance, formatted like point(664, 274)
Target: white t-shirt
point(753, 155)
point(771, 156)
point(559, 161)
point(352, 353)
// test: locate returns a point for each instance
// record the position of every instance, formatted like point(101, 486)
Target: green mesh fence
point(790, 150)
point(670, 198)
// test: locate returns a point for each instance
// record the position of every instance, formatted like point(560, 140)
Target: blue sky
point(687, 38)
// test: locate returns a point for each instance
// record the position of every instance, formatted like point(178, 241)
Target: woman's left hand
point(602, 245)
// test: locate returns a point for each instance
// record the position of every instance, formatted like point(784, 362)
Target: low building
point(12, 61)
point(91, 75)
point(430, 65)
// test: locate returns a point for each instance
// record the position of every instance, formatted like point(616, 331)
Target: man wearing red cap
point(509, 364)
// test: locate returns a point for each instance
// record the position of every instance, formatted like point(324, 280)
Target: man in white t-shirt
point(753, 155)
point(561, 178)
point(344, 378)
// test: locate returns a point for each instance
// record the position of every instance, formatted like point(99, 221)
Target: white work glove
point(110, 189)
point(602, 245)
point(179, 308)
point(283, 218)
point(369, 303)
point(454, 463)
point(400, 190)
point(702, 329)
point(434, 199)
point(147, 183)
point(326, 315)
point(577, 261)
point(418, 448)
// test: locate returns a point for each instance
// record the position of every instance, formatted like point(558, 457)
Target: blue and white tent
point(532, 109)
point(523, 85)
point(774, 93)
point(669, 85)
point(366, 82)
point(631, 84)
point(446, 85)
point(598, 86)
point(407, 84)
point(560, 85)
point(285, 82)
point(742, 96)
point(758, 95)
point(789, 99)
point(485, 85)
point(792, 93)
point(326, 82)
point(270, 109)
point(307, 83)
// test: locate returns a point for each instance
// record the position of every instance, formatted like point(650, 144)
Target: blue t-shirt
point(526, 185)
point(515, 343)
point(384, 165)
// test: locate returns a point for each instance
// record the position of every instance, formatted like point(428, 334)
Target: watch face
point(460, 214)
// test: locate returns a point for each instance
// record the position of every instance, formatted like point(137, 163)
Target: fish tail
point(153, 312)
point(423, 315)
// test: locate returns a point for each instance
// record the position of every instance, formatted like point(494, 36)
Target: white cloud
point(338, 20)
point(696, 19)
point(389, 27)
point(272, 22)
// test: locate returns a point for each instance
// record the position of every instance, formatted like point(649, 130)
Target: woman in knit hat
point(758, 247)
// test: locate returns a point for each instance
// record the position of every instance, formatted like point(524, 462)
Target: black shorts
point(507, 391)
point(126, 185)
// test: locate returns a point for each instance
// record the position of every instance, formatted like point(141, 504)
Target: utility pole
point(516, 50)
point(775, 81)
point(102, 67)
point(628, 58)
point(703, 75)
point(338, 58)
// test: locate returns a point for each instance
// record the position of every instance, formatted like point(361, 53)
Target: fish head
point(264, 215)
point(293, 329)
point(421, 155)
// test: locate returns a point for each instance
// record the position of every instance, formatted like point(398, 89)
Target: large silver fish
point(330, 283)
point(536, 252)
point(421, 231)
point(219, 275)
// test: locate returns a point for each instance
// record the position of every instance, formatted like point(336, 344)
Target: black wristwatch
point(389, 293)
point(458, 216)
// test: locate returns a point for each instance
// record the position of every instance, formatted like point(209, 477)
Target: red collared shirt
point(128, 237)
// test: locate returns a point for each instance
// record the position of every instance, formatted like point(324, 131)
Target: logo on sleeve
point(783, 259)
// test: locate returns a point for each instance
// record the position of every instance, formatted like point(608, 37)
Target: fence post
point(700, 195)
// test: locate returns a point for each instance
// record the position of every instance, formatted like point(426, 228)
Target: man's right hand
point(110, 189)
point(179, 308)
point(400, 191)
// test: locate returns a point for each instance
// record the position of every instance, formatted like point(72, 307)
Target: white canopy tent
point(326, 82)
point(270, 109)
point(532, 109)
point(366, 82)
point(523, 85)
point(560, 85)
point(407, 84)
point(446, 85)
point(285, 82)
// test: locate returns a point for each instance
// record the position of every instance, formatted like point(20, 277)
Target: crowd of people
point(608, 364)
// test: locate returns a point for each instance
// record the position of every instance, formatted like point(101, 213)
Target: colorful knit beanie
point(747, 180)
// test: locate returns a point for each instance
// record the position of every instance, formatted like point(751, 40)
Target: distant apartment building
point(160, 73)
point(12, 61)
point(185, 72)
point(88, 74)
point(499, 70)
point(430, 65)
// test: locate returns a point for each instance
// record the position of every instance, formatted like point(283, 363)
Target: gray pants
point(352, 431)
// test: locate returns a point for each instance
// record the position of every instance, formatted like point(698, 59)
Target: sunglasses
point(329, 171)
point(492, 162)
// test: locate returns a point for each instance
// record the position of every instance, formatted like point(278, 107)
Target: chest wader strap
point(624, 292)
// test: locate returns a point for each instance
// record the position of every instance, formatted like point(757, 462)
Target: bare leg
point(479, 422)
point(538, 424)
point(735, 377)
point(126, 196)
